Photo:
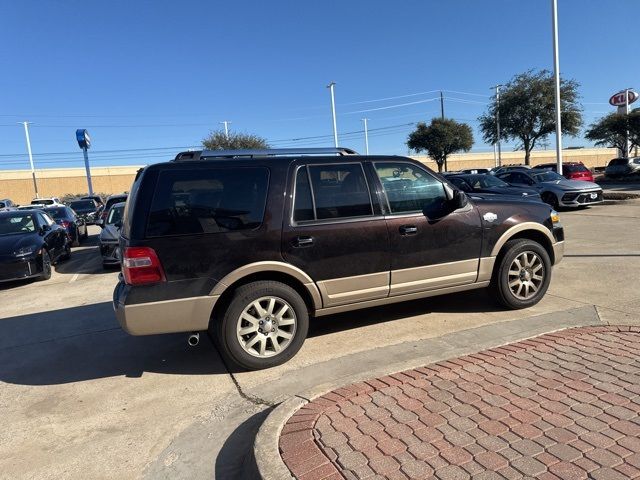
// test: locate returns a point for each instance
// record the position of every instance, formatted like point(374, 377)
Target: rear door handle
point(301, 242)
point(408, 230)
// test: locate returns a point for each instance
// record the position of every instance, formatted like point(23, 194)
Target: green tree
point(610, 130)
point(218, 140)
point(527, 110)
point(440, 139)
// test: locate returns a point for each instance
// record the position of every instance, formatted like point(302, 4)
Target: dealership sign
point(619, 100)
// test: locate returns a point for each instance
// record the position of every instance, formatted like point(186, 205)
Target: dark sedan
point(75, 226)
point(481, 183)
point(86, 209)
point(30, 242)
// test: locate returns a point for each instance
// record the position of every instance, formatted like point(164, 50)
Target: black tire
point(501, 274)
point(67, 252)
point(223, 327)
point(550, 198)
point(46, 266)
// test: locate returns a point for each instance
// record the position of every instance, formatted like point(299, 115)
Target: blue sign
point(83, 138)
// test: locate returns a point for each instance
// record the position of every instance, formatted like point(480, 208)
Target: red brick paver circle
point(562, 405)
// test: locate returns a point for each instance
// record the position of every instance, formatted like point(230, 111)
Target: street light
point(556, 75)
point(84, 142)
point(333, 113)
point(33, 171)
point(497, 87)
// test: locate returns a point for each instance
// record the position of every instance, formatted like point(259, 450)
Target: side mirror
point(459, 200)
point(100, 223)
point(44, 229)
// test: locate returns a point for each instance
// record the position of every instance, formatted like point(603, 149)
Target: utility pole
point(556, 75)
point(495, 156)
point(497, 87)
point(366, 137)
point(333, 113)
point(33, 170)
point(626, 133)
point(441, 105)
point(226, 128)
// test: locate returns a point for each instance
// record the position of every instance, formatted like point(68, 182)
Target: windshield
point(547, 176)
point(13, 224)
point(82, 205)
point(57, 213)
point(484, 181)
point(115, 215)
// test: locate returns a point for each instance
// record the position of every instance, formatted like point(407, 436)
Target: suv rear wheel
point(522, 277)
point(264, 325)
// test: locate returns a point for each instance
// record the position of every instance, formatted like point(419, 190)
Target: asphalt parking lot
point(82, 399)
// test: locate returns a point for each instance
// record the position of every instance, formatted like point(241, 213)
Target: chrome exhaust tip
point(194, 339)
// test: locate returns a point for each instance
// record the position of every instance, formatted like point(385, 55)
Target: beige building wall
point(18, 184)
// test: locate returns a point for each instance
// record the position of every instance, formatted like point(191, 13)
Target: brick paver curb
point(561, 405)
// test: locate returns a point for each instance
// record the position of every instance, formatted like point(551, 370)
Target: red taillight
point(65, 224)
point(140, 266)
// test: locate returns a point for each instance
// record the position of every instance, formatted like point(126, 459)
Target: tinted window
point(303, 203)
point(410, 188)
point(17, 224)
point(618, 161)
point(3, 205)
point(573, 168)
point(58, 213)
point(113, 200)
point(82, 204)
point(340, 191)
point(208, 201)
point(115, 215)
point(41, 201)
point(523, 179)
point(460, 183)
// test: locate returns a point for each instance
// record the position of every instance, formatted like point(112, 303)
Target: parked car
point(75, 226)
point(110, 235)
point(85, 209)
point(554, 189)
point(247, 245)
point(30, 242)
point(111, 200)
point(570, 170)
point(621, 167)
point(475, 170)
point(483, 183)
point(46, 201)
point(96, 198)
point(508, 168)
point(7, 204)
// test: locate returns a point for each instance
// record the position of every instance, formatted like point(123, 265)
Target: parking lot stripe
point(74, 278)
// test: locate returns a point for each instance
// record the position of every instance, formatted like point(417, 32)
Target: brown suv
point(248, 245)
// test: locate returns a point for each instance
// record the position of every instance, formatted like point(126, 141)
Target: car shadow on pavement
point(84, 343)
point(466, 302)
point(84, 259)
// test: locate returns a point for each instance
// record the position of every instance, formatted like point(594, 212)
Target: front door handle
point(408, 230)
point(301, 242)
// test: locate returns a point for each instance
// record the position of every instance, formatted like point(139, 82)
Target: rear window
point(57, 213)
point(208, 201)
point(41, 201)
point(574, 168)
point(619, 161)
point(114, 200)
point(82, 204)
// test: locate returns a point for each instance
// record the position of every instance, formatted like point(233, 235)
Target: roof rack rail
point(197, 155)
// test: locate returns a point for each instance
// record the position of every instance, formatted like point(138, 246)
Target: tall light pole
point(333, 113)
point(366, 137)
point(33, 170)
point(626, 133)
point(84, 142)
point(226, 128)
point(441, 105)
point(497, 87)
point(556, 75)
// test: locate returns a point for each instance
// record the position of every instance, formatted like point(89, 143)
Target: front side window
point(214, 200)
point(409, 188)
point(325, 192)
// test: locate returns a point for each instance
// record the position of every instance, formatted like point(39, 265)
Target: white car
point(49, 201)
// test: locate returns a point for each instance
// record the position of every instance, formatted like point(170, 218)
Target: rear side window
point(574, 168)
point(215, 200)
point(335, 191)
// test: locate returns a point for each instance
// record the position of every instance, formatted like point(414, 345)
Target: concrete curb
point(266, 448)
point(615, 195)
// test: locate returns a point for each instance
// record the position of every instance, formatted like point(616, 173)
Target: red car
point(570, 170)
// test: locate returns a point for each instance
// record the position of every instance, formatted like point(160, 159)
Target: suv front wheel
point(522, 277)
point(264, 325)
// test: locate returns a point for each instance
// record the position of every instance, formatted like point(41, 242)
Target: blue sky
point(160, 75)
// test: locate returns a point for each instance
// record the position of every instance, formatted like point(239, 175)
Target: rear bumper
point(167, 316)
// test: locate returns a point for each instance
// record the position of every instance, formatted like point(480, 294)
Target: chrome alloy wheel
point(526, 275)
point(266, 327)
